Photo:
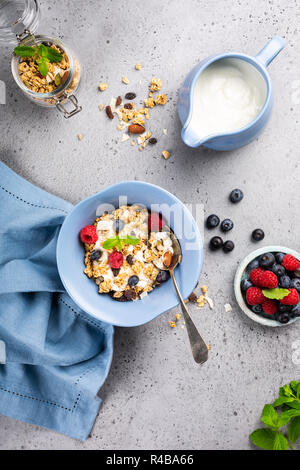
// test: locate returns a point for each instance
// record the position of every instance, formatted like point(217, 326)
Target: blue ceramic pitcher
point(230, 140)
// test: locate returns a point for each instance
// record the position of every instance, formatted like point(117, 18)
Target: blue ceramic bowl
point(70, 256)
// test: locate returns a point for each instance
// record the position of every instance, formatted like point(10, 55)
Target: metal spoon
point(199, 347)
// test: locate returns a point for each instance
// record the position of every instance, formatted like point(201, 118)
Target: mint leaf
point(294, 385)
point(289, 414)
point(280, 442)
point(294, 404)
point(282, 400)
point(24, 51)
point(286, 391)
point(110, 243)
point(131, 240)
point(43, 66)
point(269, 417)
point(263, 438)
point(277, 293)
point(53, 55)
point(294, 430)
point(42, 51)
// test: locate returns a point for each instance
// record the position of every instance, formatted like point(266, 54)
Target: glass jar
point(19, 20)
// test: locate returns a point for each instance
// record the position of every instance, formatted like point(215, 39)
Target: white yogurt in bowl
point(228, 95)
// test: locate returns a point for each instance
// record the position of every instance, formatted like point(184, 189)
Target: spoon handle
point(199, 348)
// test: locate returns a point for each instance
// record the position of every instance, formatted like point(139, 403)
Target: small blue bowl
point(70, 255)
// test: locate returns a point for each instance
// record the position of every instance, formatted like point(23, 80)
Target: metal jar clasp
point(62, 100)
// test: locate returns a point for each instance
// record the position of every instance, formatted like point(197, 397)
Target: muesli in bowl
point(125, 251)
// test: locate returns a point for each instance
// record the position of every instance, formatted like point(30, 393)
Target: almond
point(167, 259)
point(136, 129)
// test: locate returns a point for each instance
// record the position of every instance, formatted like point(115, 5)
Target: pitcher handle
point(271, 50)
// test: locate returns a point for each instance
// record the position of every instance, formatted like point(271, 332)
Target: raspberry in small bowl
point(267, 286)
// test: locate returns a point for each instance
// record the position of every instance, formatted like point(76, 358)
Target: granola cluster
point(140, 265)
point(31, 77)
point(134, 118)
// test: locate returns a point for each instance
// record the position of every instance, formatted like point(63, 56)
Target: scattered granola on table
point(125, 252)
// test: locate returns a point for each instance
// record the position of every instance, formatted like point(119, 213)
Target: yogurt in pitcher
point(228, 95)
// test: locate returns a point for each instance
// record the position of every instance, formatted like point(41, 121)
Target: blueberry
point(279, 257)
point(284, 308)
point(283, 317)
point(296, 273)
point(278, 270)
point(246, 284)
point(236, 195)
point(228, 246)
point(257, 308)
point(253, 265)
point(284, 282)
point(296, 310)
point(258, 234)
point(226, 225)
point(133, 280)
point(267, 260)
point(215, 243)
point(212, 221)
point(162, 276)
point(130, 259)
point(295, 283)
point(95, 255)
point(118, 225)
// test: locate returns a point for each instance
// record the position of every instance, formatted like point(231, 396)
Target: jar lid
point(18, 18)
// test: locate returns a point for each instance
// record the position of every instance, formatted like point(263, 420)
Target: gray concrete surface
point(155, 396)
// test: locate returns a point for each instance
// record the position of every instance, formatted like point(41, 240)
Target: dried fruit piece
point(115, 259)
point(128, 106)
point(118, 101)
point(193, 297)
point(130, 96)
point(153, 141)
point(88, 234)
point(102, 86)
point(167, 259)
point(166, 154)
point(109, 112)
point(136, 129)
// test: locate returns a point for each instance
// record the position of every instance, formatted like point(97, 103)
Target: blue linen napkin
point(54, 357)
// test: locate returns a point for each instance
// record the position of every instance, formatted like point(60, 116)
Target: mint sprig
point(288, 405)
point(119, 241)
point(41, 54)
point(276, 293)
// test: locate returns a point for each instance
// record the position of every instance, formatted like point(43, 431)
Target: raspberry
point(115, 259)
point(291, 299)
point(290, 263)
point(270, 307)
point(268, 279)
point(155, 222)
point(255, 296)
point(254, 276)
point(88, 234)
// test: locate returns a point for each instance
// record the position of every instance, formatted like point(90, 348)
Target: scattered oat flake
point(132, 143)
point(201, 301)
point(228, 308)
point(172, 324)
point(165, 131)
point(138, 66)
point(210, 302)
point(102, 86)
point(120, 127)
point(178, 316)
point(125, 80)
point(79, 136)
point(101, 106)
point(208, 347)
point(140, 149)
point(166, 154)
point(124, 137)
point(204, 289)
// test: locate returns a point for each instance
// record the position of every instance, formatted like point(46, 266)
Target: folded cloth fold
point(56, 356)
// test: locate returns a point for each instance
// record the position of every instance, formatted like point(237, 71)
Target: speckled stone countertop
point(155, 397)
